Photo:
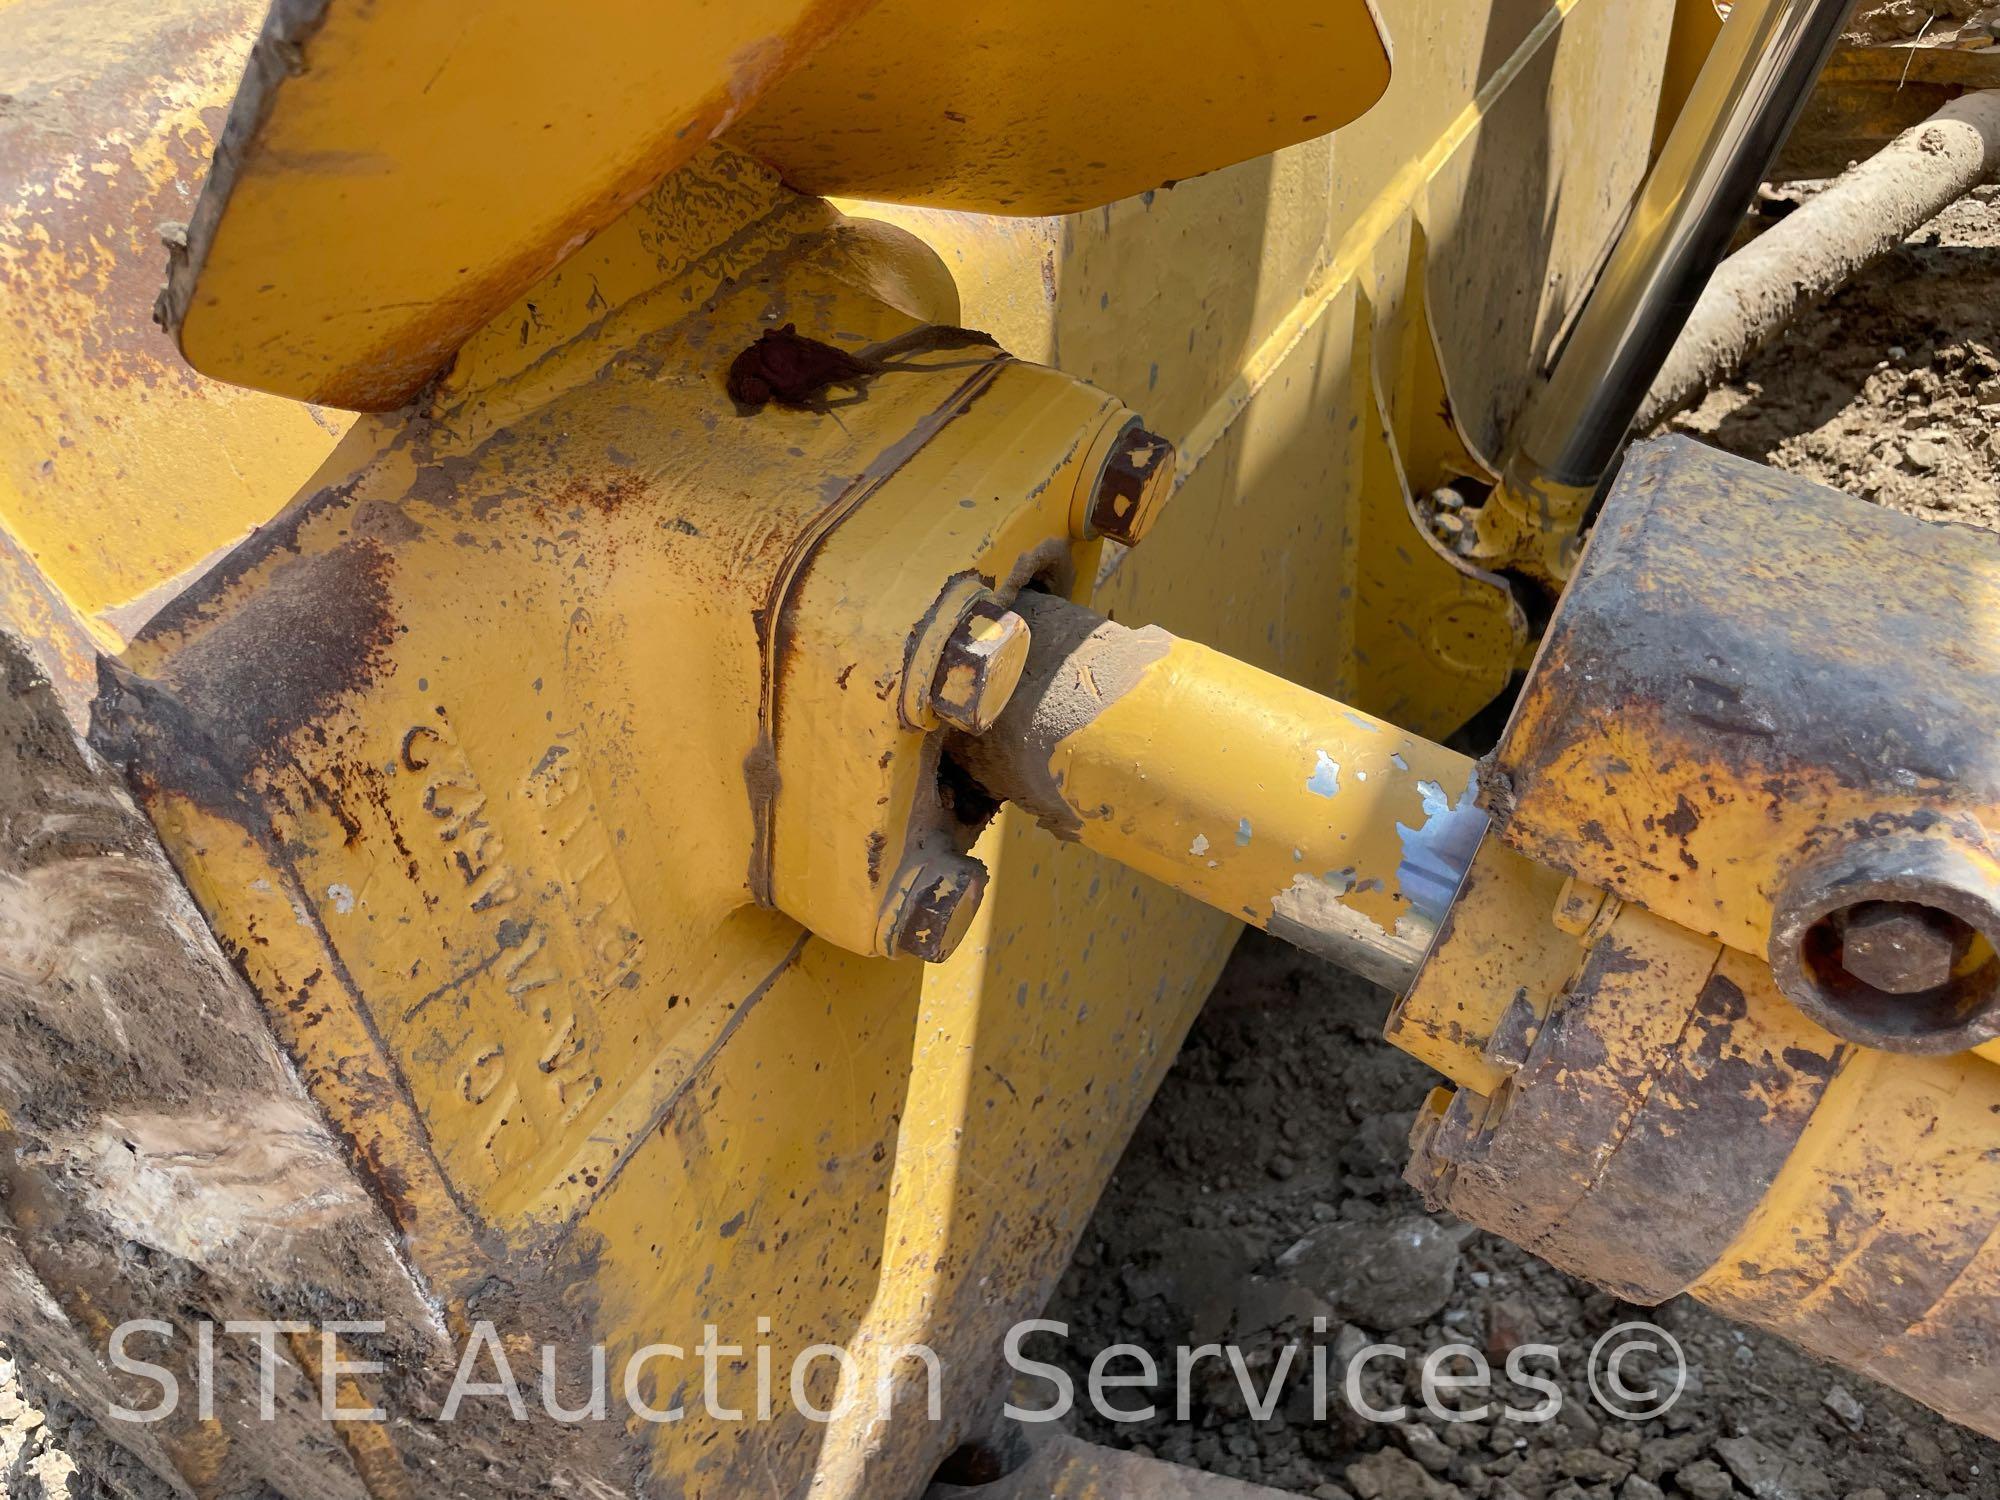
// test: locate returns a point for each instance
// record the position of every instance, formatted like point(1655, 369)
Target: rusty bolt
point(939, 910)
point(1133, 487)
point(1898, 947)
point(981, 665)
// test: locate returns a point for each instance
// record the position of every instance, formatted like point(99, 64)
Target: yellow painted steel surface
point(1042, 106)
point(535, 989)
point(1263, 799)
point(121, 470)
point(1497, 948)
point(1775, 740)
point(1697, 23)
point(455, 760)
point(1358, 273)
point(1275, 746)
point(393, 175)
point(1886, 1212)
point(477, 669)
point(1658, 1117)
point(1751, 680)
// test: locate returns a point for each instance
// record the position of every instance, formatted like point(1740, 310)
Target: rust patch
point(313, 631)
point(606, 494)
point(1683, 820)
point(81, 208)
point(1077, 667)
point(1747, 669)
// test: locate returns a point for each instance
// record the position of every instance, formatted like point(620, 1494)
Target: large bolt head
point(1133, 487)
point(1899, 947)
point(981, 666)
point(939, 910)
point(1889, 941)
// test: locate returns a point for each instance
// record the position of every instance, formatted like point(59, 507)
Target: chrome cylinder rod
point(1749, 95)
point(1750, 91)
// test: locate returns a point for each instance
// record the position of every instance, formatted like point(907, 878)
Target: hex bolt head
point(1133, 487)
point(1898, 947)
point(940, 907)
point(981, 665)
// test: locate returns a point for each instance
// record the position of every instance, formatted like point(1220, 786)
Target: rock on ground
point(1191, 1245)
point(1394, 1274)
point(49, 1451)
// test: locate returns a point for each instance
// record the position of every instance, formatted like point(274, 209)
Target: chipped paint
point(1311, 914)
point(1436, 855)
point(1325, 778)
point(1190, 740)
point(1691, 743)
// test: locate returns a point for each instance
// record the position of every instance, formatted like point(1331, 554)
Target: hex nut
point(938, 912)
point(981, 665)
point(1888, 941)
point(1133, 486)
point(1897, 946)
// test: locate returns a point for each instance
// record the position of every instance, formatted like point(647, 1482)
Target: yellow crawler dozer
point(654, 651)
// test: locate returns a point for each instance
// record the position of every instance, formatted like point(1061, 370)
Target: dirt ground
point(52, 1452)
point(1891, 390)
point(1285, 1119)
point(1286, 1116)
point(1930, 22)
